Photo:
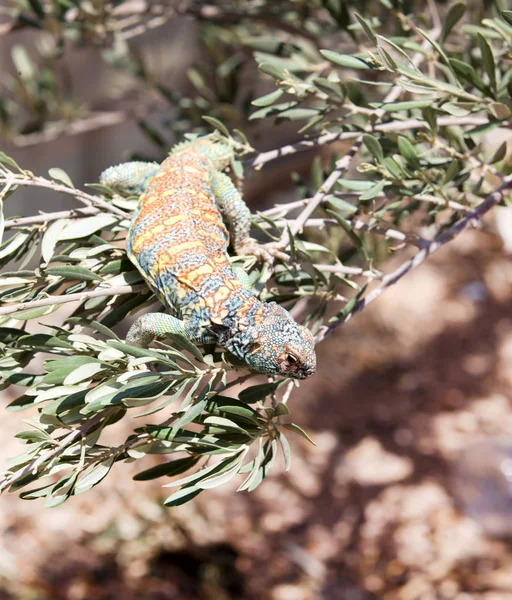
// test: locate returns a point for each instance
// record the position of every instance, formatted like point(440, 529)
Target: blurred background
point(405, 494)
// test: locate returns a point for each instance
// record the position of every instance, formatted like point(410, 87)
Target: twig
point(35, 466)
point(88, 199)
point(443, 238)
point(90, 123)
point(342, 269)
point(264, 157)
point(78, 297)
point(54, 216)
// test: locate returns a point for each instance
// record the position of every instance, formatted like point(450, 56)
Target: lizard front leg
point(159, 325)
point(237, 217)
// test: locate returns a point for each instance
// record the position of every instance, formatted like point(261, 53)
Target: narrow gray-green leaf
point(74, 272)
point(94, 476)
point(217, 124)
point(268, 98)
point(500, 154)
point(346, 60)
point(169, 469)
point(285, 447)
point(455, 13)
point(373, 145)
point(488, 60)
point(60, 175)
point(408, 151)
point(296, 429)
point(81, 228)
point(183, 495)
point(51, 237)
point(366, 28)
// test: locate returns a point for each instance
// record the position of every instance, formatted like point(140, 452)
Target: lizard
point(188, 213)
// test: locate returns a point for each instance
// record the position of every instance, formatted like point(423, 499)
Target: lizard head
point(274, 343)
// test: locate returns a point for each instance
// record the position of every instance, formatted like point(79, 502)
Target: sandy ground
point(402, 497)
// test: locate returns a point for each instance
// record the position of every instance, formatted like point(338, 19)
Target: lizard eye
point(292, 359)
point(254, 348)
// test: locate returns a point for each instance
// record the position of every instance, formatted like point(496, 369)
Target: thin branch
point(78, 297)
point(443, 238)
point(88, 199)
point(54, 216)
point(90, 123)
point(264, 157)
point(36, 465)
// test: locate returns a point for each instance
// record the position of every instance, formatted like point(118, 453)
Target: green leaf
point(174, 467)
point(340, 204)
point(180, 342)
point(285, 447)
point(70, 362)
point(228, 471)
point(61, 491)
point(60, 175)
point(51, 237)
point(455, 13)
point(13, 244)
point(296, 114)
point(217, 124)
point(72, 272)
point(94, 476)
point(140, 352)
point(465, 71)
point(373, 192)
point(346, 60)
point(268, 98)
point(296, 429)
point(9, 162)
point(256, 393)
point(272, 70)
point(500, 154)
point(439, 50)
point(356, 185)
point(408, 151)
point(83, 373)
point(274, 110)
point(223, 423)
point(488, 60)
point(81, 228)
point(34, 313)
point(366, 28)
point(405, 105)
point(183, 495)
point(374, 147)
point(507, 16)
point(345, 225)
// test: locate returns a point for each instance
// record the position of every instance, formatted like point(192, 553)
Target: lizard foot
point(264, 252)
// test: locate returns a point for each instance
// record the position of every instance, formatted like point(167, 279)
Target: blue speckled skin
point(178, 239)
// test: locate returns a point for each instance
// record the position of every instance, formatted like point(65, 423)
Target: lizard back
point(178, 239)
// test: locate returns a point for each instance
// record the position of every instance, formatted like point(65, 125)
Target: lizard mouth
point(303, 372)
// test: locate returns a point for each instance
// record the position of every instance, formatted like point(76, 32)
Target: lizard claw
point(265, 252)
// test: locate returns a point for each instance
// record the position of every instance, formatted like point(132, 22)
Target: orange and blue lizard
point(178, 239)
